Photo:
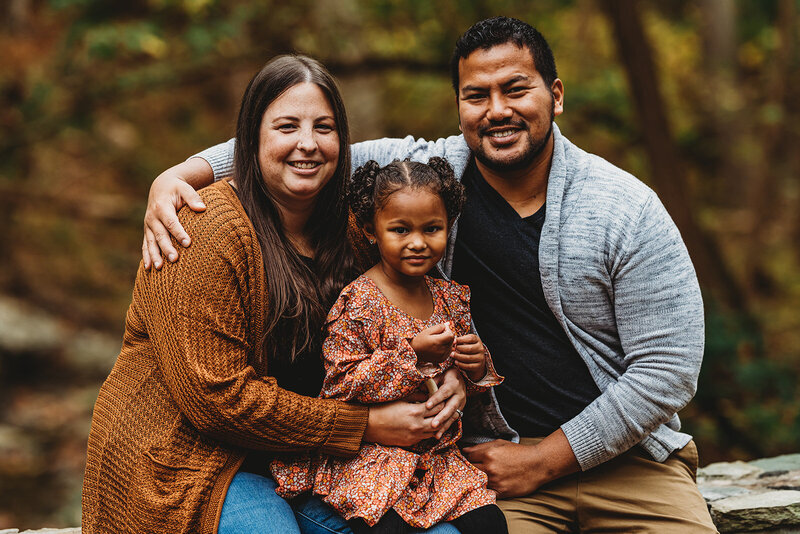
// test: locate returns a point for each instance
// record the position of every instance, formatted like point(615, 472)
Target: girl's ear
point(369, 231)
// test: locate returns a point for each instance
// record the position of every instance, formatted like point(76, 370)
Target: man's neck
point(525, 190)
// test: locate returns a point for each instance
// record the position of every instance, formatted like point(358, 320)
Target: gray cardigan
point(617, 277)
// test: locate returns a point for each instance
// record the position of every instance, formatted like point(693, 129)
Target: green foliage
point(97, 97)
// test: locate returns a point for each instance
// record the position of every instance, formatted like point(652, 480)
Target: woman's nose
point(306, 141)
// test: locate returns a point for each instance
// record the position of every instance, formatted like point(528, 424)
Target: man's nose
point(498, 108)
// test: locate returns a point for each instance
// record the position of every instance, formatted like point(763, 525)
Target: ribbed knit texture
point(184, 401)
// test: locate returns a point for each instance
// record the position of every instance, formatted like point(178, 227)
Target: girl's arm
point(358, 370)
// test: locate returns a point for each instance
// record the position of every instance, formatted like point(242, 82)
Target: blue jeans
point(252, 505)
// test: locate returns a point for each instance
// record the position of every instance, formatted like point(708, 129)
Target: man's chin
point(506, 164)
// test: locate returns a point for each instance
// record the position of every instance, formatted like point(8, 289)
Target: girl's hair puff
point(372, 185)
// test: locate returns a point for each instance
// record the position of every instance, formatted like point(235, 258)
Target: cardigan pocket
point(161, 487)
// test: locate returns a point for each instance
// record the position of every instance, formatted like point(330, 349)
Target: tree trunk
point(666, 168)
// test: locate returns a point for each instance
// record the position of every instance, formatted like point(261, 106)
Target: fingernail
point(173, 257)
point(185, 242)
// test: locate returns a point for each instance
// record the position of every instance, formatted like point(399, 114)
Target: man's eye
point(474, 96)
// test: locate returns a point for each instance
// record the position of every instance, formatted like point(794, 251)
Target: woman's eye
point(325, 127)
point(287, 127)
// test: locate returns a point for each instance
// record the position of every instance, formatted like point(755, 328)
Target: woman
point(221, 349)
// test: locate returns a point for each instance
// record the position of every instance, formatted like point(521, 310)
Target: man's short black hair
point(500, 30)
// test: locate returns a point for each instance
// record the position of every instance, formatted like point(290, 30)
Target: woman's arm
point(204, 316)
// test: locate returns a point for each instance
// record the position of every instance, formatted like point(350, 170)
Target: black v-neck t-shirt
point(497, 256)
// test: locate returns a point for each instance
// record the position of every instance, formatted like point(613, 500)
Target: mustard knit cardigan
point(186, 398)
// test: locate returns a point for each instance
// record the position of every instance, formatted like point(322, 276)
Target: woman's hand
point(404, 423)
point(170, 191)
point(451, 397)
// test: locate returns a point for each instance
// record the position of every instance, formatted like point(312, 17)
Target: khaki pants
point(631, 493)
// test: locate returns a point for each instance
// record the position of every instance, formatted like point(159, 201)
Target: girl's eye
point(398, 230)
point(433, 229)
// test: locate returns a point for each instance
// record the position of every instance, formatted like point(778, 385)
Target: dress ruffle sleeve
point(361, 362)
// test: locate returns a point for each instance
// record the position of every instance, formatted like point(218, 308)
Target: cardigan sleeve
point(659, 317)
point(384, 151)
point(203, 315)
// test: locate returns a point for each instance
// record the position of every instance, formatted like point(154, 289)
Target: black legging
point(484, 520)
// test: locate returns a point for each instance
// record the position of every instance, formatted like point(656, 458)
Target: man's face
point(505, 109)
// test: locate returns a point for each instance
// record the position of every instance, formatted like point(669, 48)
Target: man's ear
point(558, 96)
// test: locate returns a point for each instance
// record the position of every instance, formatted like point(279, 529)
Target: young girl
point(387, 325)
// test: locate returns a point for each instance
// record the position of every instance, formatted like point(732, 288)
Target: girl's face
point(298, 145)
point(411, 232)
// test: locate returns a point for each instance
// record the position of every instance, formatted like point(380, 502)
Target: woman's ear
point(369, 231)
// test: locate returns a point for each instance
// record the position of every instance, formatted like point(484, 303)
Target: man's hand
point(434, 344)
point(470, 356)
point(515, 470)
point(171, 190)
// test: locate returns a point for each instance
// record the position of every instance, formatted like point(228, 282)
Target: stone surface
point(711, 493)
point(787, 462)
point(757, 511)
point(729, 470)
point(759, 496)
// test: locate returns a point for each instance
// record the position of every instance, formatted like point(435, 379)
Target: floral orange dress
point(368, 359)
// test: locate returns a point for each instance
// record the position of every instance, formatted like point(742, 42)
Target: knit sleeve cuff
point(585, 442)
point(348, 430)
point(220, 158)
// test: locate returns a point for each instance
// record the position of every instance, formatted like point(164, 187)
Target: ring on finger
point(460, 413)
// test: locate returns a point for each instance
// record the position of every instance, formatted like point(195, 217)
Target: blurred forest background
point(700, 99)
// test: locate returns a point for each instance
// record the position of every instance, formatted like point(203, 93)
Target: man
point(581, 286)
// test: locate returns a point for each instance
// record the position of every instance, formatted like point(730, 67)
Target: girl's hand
point(470, 356)
point(434, 344)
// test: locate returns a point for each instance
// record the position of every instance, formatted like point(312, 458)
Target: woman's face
point(298, 146)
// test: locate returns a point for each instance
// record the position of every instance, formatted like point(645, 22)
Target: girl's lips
point(416, 260)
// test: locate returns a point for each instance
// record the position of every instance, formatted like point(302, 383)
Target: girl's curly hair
point(372, 185)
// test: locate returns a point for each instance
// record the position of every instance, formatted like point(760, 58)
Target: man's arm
point(515, 469)
point(170, 191)
point(659, 320)
point(173, 189)
point(659, 317)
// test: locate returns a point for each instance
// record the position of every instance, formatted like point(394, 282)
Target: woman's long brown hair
point(299, 297)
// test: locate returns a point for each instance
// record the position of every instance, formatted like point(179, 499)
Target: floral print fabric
point(368, 359)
